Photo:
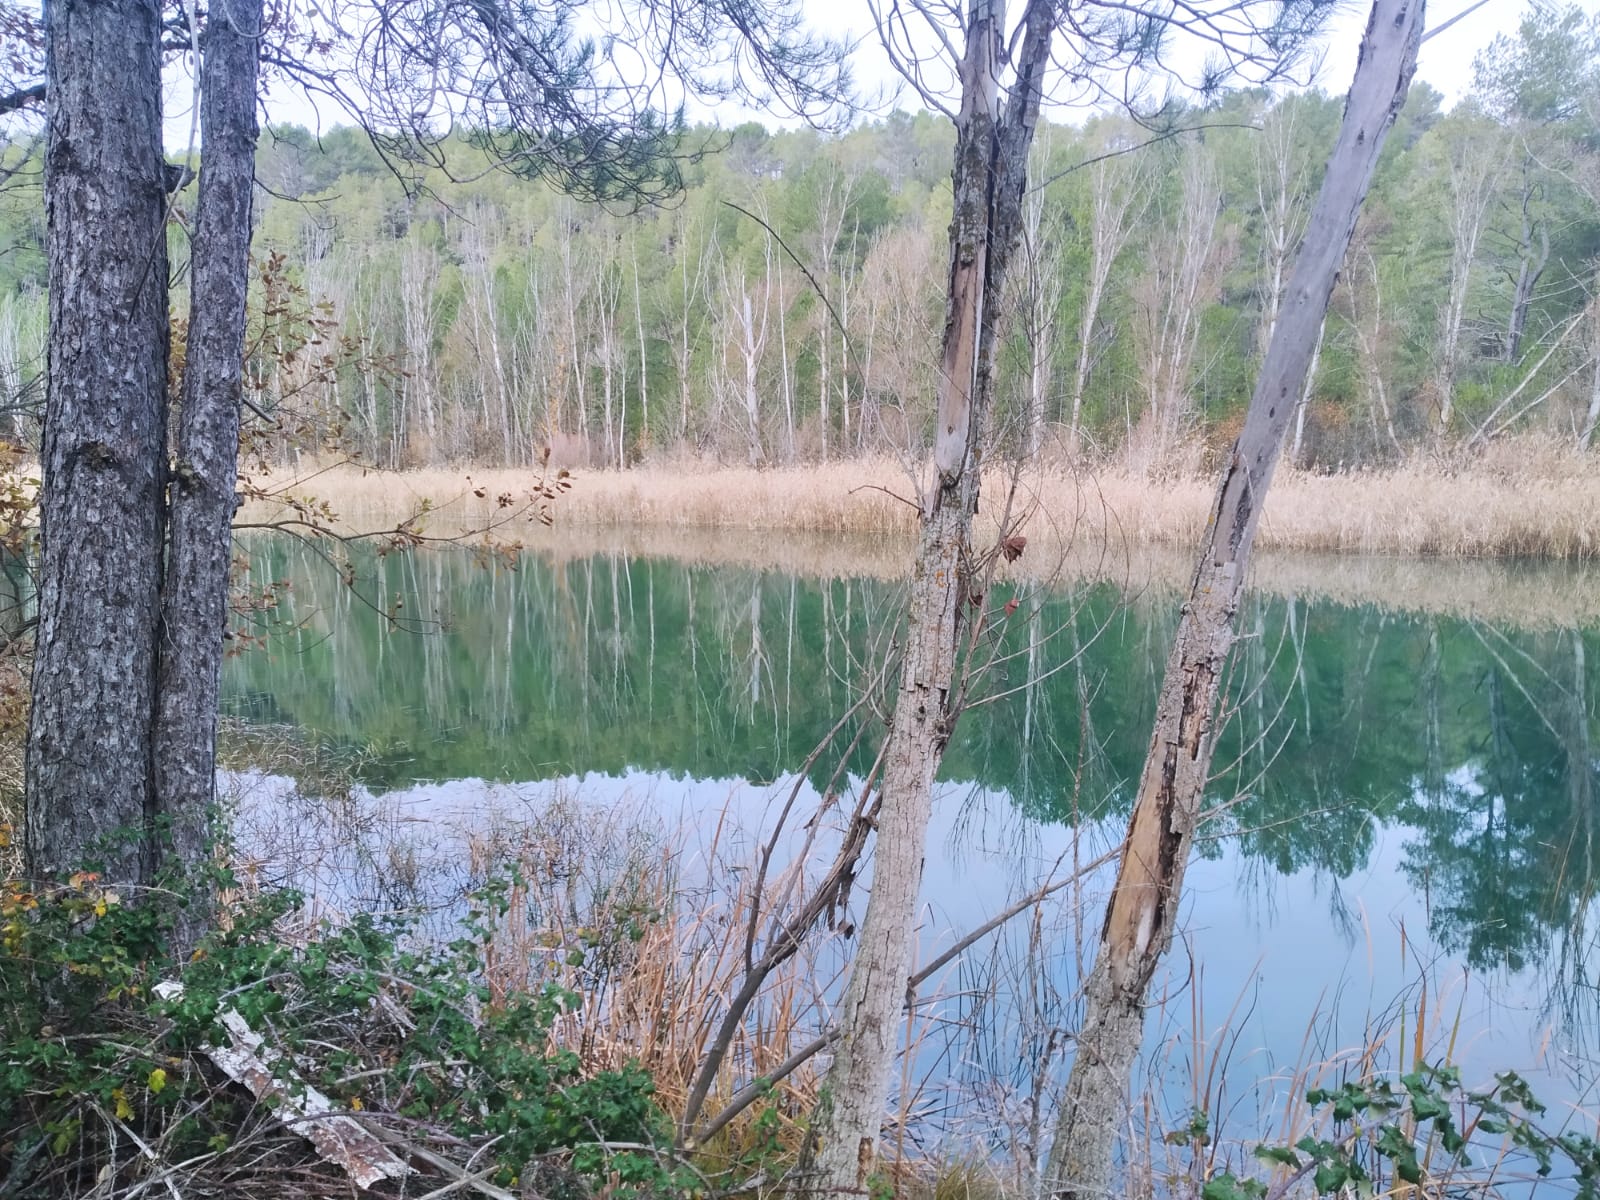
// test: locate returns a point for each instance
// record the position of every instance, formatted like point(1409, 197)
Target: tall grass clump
point(658, 947)
point(641, 921)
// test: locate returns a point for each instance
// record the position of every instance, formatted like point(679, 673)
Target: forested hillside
point(482, 319)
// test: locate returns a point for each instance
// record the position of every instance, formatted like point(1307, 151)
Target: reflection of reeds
point(1177, 1139)
point(1522, 594)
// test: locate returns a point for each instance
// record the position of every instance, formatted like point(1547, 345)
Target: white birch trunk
point(644, 358)
point(1305, 395)
point(783, 366)
point(1473, 172)
point(1120, 202)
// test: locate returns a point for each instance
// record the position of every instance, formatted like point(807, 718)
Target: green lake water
point(1407, 803)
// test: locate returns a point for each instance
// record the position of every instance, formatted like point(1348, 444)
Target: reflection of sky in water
point(1382, 771)
point(1290, 969)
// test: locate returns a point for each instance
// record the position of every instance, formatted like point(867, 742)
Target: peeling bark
point(988, 176)
point(1142, 910)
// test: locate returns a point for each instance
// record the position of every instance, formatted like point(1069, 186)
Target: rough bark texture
point(1144, 903)
point(194, 606)
point(103, 462)
point(990, 169)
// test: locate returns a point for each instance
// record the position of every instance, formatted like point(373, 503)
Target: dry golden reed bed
point(1538, 503)
point(1422, 538)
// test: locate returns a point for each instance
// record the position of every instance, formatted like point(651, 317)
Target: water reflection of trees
point(1503, 840)
point(1477, 740)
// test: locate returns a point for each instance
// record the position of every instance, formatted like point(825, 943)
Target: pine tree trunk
point(1143, 907)
point(89, 794)
point(194, 607)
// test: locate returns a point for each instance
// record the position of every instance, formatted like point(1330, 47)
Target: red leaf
point(1013, 547)
point(1011, 606)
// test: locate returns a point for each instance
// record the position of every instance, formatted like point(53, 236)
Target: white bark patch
point(338, 1136)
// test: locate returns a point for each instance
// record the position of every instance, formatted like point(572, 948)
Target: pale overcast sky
point(1446, 61)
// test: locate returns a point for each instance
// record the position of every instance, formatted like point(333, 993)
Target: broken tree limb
point(1143, 906)
point(337, 1136)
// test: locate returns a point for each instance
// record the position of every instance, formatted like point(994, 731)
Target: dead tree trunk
point(644, 357)
point(1305, 398)
point(990, 169)
point(1042, 293)
point(1533, 255)
point(1144, 903)
point(89, 791)
point(194, 602)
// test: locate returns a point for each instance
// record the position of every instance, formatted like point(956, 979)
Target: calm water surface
point(1406, 803)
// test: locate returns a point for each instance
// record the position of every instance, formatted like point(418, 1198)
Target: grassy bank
point(1518, 502)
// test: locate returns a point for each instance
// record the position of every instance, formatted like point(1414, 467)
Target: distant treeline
point(421, 319)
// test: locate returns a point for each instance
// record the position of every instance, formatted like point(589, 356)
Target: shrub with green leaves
point(103, 1082)
point(1427, 1130)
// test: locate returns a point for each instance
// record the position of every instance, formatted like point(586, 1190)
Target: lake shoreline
point(1140, 541)
point(1527, 506)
